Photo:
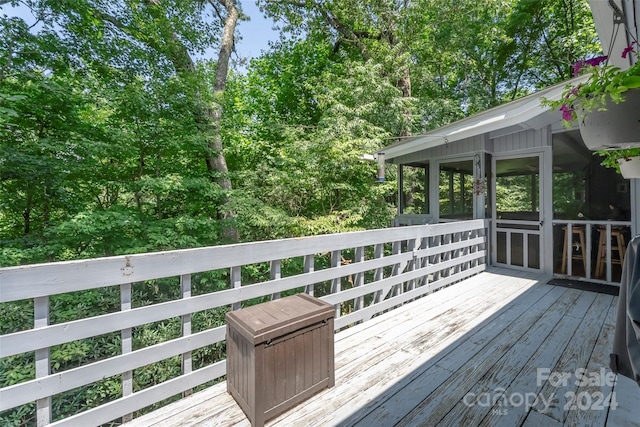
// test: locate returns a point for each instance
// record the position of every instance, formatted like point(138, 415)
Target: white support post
point(474, 248)
point(358, 303)
point(275, 273)
point(426, 244)
point(236, 282)
point(309, 261)
point(336, 284)
point(396, 248)
point(378, 252)
point(43, 364)
point(435, 241)
point(411, 265)
point(588, 272)
point(608, 263)
point(457, 237)
point(446, 256)
point(434, 191)
point(508, 246)
point(569, 249)
point(465, 251)
point(400, 190)
point(185, 293)
point(127, 346)
point(525, 250)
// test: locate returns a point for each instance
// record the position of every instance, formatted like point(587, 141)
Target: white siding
point(522, 141)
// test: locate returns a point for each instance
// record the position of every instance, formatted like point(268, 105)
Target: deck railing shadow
point(363, 274)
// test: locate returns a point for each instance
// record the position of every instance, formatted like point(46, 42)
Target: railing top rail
point(38, 280)
point(591, 222)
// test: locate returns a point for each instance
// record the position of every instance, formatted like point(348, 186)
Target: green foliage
point(105, 127)
point(605, 82)
point(514, 194)
point(610, 157)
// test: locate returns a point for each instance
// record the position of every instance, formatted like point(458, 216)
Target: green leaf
point(632, 82)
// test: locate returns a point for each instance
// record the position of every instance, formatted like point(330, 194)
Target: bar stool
point(579, 231)
point(618, 246)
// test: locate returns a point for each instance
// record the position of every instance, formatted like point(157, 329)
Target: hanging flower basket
point(618, 126)
point(630, 167)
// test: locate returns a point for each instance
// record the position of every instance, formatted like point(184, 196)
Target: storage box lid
point(263, 322)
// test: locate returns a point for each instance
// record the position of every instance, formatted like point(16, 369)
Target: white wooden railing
point(598, 237)
point(384, 269)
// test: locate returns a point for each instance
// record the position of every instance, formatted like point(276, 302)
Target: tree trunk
point(211, 118)
point(215, 159)
point(404, 84)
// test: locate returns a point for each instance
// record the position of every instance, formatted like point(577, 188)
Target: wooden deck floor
point(501, 349)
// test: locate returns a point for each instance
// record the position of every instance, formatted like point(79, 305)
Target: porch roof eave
point(515, 113)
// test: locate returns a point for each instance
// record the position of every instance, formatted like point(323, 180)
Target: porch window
point(414, 198)
point(456, 190)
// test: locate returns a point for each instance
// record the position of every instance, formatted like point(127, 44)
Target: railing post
point(456, 237)
point(396, 248)
point(424, 262)
point(588, 272)
point(185, 293)
point(309, 268)
point(435, 241)
point(411, 265)
point(358, 303)
point(378, 252)
point(608, 263)
point(43, 365)
point(473, 248)
point(336, 284)
point(275, 273)
point(127, 346)
point(236, 282)
point(446, 256)
point(569, 259)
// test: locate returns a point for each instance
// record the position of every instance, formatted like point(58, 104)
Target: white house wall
point(524, 140)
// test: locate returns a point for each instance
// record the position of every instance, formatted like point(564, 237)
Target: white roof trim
point(517, 112)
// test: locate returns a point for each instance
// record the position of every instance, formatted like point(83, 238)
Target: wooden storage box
point(279, 353)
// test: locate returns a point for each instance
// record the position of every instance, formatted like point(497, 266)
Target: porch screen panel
point(456, 190)
point(415, 189)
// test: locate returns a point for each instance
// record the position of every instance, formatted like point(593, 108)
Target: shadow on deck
point(502, 348)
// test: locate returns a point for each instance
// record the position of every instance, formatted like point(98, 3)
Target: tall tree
point(170, 30)
point(371, 30)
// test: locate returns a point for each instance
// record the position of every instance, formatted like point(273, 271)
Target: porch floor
point(500, 349)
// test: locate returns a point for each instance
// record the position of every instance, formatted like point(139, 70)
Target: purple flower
point(592, 62)
point(573, 92)
point(567, 112)
point(628, 49)
point(577, 67)
point(596, 61)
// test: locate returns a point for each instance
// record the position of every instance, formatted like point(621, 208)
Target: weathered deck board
point(511, 362)
point(472, 373)
point(413, 394)
point(415, 365)
point(526, 381)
